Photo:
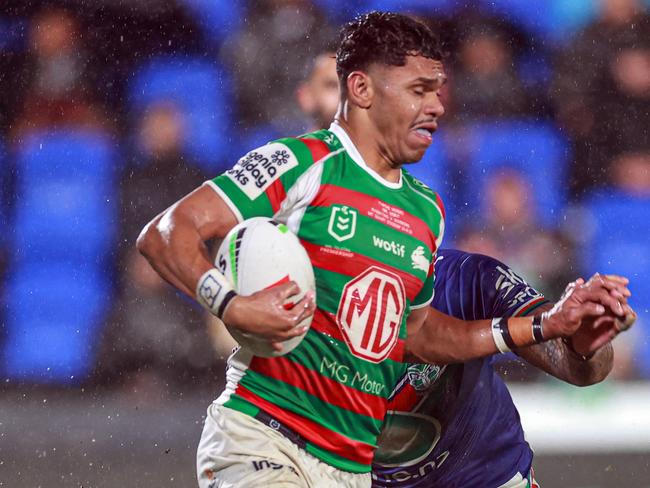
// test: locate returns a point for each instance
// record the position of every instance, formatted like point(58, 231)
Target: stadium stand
point(618, 230)
point(58, 285)
point(536, 149)
point(202, 90)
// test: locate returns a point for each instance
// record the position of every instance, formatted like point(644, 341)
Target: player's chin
point(413, 155)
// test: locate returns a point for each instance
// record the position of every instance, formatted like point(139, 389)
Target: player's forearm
point(444, 339)
point(174, 248)
point(555, 358)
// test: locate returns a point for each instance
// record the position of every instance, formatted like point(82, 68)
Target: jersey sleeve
point(437, 230)
point(257, 185)
point(510, 294)
point(425, 297)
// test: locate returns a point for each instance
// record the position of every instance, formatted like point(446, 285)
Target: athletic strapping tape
point(214, 291)
point(501, 335)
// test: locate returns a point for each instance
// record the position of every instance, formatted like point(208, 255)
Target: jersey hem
point(231, 205)
point(246, 407)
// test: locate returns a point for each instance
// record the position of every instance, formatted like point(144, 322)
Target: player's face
point(406, 106)
point(324, 86)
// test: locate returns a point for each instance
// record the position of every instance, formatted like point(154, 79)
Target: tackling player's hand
point(601, 299)
point(265, 314)
point(593, 335)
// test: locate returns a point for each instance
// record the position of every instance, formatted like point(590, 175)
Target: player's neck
point(367, 140)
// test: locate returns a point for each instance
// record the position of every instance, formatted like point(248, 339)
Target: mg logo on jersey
point(370, 313)
point(343, 222)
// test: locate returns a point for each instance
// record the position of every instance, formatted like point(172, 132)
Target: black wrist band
point(505, 333)
point(538, 334)
point(224, 303)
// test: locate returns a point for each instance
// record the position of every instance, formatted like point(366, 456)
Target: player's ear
point(305, 98)
point(360, 90)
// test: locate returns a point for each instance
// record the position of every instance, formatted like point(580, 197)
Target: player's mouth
point(425, 131)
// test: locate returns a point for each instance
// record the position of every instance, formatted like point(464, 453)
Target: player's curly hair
point(383, 37)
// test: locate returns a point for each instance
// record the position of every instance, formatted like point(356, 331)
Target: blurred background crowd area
point(112, 110)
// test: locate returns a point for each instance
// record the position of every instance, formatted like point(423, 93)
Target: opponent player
point(311, 417)
point(442, 410)
point(456, 425)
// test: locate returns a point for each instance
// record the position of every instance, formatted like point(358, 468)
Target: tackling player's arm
point(587, 356)
point(174, 244)
point(558, 359)
point(442, 339)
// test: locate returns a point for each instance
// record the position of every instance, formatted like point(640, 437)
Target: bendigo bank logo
point(370, 313)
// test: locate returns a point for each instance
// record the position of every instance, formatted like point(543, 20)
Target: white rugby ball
point(260, 253)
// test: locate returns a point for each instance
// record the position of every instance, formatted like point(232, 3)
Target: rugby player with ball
point(311, 417)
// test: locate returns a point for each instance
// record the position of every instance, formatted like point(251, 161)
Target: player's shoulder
point(423, 193)
point(312, 147)
point(488, 267)
point(463, 262)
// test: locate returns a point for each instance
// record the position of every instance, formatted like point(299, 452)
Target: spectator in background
point(630, 172)
point(602, 89)
point(318, 94)
point(485, 83)
point(152, 336)
point(52, 82)
point(513, 234)
point(292, 30)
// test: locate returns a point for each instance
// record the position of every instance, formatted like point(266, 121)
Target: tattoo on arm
point(558, 360)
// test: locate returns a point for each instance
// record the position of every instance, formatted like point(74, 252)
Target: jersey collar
point(358, 159)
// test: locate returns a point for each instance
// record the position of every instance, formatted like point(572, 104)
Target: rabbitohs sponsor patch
point(258, 169)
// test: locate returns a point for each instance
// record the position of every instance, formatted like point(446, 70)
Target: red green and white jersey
point(372, 244)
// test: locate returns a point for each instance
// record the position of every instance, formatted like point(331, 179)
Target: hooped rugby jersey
point(372, 244)
point(457, 426)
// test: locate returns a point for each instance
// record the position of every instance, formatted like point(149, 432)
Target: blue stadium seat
point(67, 203)
point(201, 90)
point(423, 7)
point(217, 18)
point(52, 316)
point(5, 197)
point(78, 155)
point(552, 20)
point(619, 226)
point(343, 10)
point(536, 149)
point(47, 354)
point(253, 137)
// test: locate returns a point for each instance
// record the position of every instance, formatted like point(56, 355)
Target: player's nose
point(434, 106)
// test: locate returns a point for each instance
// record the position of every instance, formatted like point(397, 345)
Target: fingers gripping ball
point(260, 253)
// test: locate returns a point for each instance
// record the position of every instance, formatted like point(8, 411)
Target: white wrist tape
point(497, 335)
point(214, 291)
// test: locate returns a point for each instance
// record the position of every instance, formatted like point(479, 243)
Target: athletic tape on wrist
point(538, 331)
point(214, 291)
point(501, 335)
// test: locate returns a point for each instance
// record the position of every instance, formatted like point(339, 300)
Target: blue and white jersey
point(456, 425)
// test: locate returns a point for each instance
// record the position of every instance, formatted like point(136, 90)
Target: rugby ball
point(260, 253)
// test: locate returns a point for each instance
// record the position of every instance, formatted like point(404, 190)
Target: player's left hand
point(594, 334)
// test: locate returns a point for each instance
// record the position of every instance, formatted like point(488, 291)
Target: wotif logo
point(389, 246)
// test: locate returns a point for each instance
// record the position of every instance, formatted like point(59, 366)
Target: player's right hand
point(585, 302)
point(265, 314)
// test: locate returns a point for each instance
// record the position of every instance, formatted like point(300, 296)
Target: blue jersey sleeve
point(511, 295)
point(475, 287)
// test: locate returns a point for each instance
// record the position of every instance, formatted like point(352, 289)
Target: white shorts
point(238, 451)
